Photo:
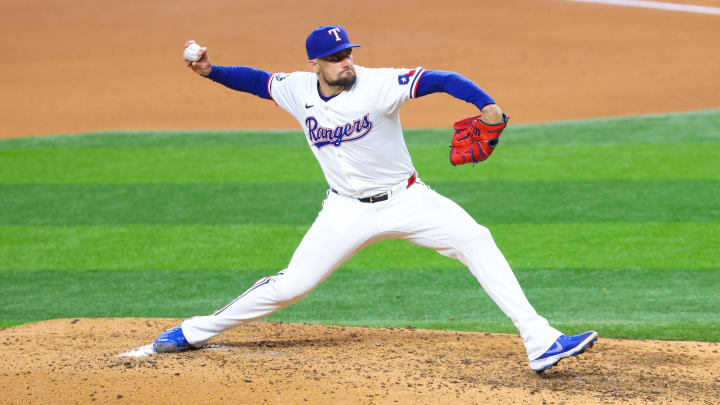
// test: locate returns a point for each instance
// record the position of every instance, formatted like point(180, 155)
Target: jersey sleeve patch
point(405, 78)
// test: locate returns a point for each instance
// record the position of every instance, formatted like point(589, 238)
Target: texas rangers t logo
point(335, 31)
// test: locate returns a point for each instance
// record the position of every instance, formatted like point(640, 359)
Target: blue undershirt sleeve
point(242, 78)
point(454, 84)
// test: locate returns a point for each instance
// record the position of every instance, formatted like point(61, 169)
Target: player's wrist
point(204, 70)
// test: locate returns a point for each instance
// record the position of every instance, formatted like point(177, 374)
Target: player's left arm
point(460, 87)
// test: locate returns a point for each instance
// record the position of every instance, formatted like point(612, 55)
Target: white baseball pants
point(346, 225)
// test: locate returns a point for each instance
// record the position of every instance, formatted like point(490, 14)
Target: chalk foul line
point(658, 5)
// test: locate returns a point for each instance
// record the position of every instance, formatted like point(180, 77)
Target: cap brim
point(337, 49)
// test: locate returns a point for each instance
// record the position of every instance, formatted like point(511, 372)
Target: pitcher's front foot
point(564, 346)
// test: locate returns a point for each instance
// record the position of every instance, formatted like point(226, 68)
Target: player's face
point(337, 69)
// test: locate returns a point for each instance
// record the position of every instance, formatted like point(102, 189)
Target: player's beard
point(346, 81)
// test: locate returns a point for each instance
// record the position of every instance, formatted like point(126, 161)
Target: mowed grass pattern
point(609, 224)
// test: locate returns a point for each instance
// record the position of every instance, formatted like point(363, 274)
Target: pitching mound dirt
point(78, 361)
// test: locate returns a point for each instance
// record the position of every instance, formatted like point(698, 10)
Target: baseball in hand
point(192, 52)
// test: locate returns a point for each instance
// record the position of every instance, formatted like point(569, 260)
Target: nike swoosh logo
point(557, 348)
point(308, 106)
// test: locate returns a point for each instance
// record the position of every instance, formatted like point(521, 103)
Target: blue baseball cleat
point(564, 346)
point(172, 340)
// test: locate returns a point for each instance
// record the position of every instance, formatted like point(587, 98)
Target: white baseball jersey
point(356, 136)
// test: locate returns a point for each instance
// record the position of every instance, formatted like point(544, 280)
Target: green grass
point(240, 203)
point(296, 164)
point(628, 303)
point(681, 246)
point(609, 224)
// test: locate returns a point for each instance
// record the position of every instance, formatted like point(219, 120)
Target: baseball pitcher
point(351, 119)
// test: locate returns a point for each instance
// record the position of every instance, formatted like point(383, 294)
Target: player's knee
point(480, 234)
point(472, 238)
point(289, 292)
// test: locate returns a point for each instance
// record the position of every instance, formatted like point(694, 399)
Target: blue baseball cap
point(327, 40)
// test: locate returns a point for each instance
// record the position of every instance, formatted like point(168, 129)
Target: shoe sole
point(580, 349)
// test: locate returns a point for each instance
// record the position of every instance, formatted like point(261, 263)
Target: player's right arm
point(281, 88)
point(240, 78)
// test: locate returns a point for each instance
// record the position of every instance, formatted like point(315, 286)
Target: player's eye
point(340, 56)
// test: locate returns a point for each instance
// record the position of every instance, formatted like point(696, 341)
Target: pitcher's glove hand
point(474, 140)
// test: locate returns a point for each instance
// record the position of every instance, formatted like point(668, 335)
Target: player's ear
point(313, 66)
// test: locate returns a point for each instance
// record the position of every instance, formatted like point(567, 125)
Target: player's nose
point(346, 62)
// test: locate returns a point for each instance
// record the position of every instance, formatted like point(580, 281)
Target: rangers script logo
point(320, 136)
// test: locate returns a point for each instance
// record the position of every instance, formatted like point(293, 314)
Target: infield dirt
point(77, 361)
point(89, 66)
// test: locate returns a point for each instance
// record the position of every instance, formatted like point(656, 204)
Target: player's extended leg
point(428, 219)
point(326, 246)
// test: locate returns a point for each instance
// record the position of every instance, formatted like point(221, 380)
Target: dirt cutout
point(77, 361)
